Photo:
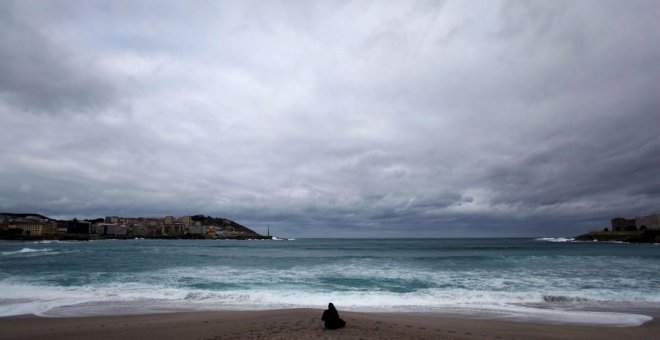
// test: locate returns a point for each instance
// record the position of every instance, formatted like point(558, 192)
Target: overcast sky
point(333, 118)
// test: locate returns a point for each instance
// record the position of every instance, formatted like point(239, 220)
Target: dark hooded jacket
point(331, 318)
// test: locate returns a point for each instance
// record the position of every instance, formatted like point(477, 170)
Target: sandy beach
point(301, 324)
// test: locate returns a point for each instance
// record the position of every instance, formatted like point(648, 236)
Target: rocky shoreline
point(643, 236)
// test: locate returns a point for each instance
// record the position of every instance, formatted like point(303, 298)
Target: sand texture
point(301, 324)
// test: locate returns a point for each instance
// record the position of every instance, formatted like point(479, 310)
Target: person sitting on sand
point(331, 318)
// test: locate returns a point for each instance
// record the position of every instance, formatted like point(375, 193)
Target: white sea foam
point(555, 239)
point(375, 287)
point(27, 251)
point(54, 242)
point(554, 316)
point(149, 297)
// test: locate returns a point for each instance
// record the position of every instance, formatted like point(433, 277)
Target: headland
point(641, 229)
point(32, 226)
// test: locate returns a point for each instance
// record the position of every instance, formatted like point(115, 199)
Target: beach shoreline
point(302, 323)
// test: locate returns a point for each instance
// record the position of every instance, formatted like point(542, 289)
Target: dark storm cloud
point(339, 119)
point(599, 150)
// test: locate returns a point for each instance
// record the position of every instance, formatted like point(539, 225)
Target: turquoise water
point(543, 279)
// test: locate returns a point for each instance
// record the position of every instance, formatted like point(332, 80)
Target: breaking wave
point(555, 239)
point(27, 251)
point(145, 298)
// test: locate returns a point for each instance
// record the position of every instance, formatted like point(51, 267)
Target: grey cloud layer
point(348, 118)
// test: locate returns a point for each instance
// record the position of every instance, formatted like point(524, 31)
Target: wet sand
point(301, 324)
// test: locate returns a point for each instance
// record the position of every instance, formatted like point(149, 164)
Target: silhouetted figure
point(331, 318)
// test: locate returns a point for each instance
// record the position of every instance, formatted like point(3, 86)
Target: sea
point(551, 280)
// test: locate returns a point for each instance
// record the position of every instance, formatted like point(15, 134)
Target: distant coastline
point(96, 237)
point(33, 227)
point(641, 229)
point(648, 236)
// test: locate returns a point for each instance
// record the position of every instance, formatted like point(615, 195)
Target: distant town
point(640, 229)
point(36, 226)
